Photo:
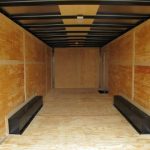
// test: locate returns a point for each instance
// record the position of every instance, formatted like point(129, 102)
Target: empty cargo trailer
point(74, 75)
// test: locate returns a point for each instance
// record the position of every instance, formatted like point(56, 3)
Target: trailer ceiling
point(77, 23)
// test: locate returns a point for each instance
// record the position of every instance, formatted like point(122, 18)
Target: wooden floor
point(78, 120)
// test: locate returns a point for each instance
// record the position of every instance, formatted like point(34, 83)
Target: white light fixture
point(80, 18)
point(76, 43)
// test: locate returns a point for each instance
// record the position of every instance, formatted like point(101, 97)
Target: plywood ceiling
point(33, 9)
point(56, 22)
point(78, 10)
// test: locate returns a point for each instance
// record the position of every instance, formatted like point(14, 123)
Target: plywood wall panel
point(34, 51)
point(11, 69)
point(48, 69)
point(35, 66)
point(11, 38)
point(2, 126)
point(142, 86)
point(19, 52)
point(125, 78)
point(129, 66)
point(142, 44)
point(12, 85)
point(142, 65)
point(90, 65)
point(121, 65)
point(66, 68)
point(77, 68)
point(35, 80)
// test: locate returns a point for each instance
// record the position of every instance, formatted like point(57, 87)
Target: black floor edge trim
point(135, 116)
point(21, 119)
point(28, 123)
point(128, 120)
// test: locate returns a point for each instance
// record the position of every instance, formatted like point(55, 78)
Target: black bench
point(19, 121)
point(138, 119)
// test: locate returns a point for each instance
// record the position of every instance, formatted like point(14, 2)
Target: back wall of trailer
point(77, 68)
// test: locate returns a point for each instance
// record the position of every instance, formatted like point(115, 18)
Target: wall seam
point(46, 69)
point(133, 66)
point(53, 68)
point(100, 69)
point(25, 75)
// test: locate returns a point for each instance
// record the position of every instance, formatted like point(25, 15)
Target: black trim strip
point(50, 25)
point(19, 121)
point(72, 2)
point(100, 31)
point(27, 16)
point(136, 117)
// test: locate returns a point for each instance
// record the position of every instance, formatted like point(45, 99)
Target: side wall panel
point(48, 69)
point(129, 66)
point(142, 65)
point(23, 68)
point(35, 66)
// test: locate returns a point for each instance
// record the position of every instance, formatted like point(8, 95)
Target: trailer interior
point(74, 75)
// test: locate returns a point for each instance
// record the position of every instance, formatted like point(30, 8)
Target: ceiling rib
point(89, 34)
point(77, 39)
point(72, 2)
point(50, 25)
point(98, 16)
point(108, 26)
point(68, 36)
point(76, 31)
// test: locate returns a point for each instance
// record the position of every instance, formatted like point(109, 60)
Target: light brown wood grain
point(48, 69)
point(142, 65)
point(120, 65)
point(35, 80)
point(78, 10)
point(22, 68)
point(142, 44)
point(35, 66)
point(11, 68)
point(11, 39)
point(129, 62)
point(77, 68)
point(34, 48)
point(78, 119)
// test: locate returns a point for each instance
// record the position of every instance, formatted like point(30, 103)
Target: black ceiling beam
point(79, 39)
point(56, 44)
point(72, 2)
point(70, 36)
point(50, 25)
point(65, 31)
point(81, 42)
point(67, 45)
point(65, 42)
point(75, 45)
point(78, 34)
point(73, 41)
point(98, 16)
